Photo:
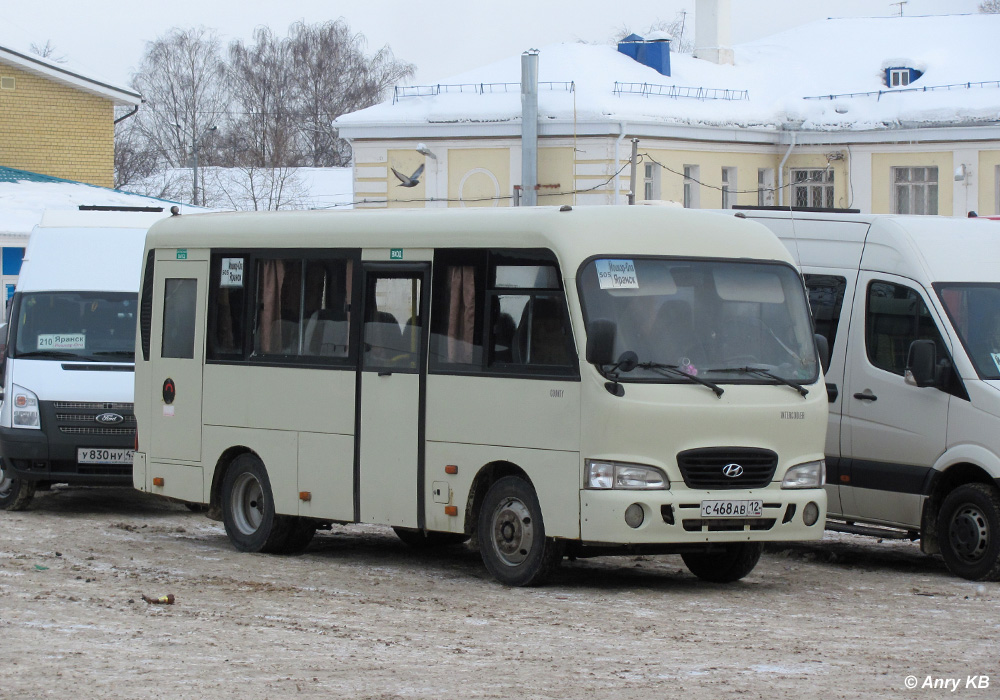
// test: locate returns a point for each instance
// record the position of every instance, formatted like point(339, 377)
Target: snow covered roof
point(25, 196)
point(828, 75)
point(64, 74)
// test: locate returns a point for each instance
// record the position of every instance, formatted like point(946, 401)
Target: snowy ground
point(360, 615)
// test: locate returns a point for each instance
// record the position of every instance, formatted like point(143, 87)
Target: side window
point(393, 325)
point(826, 299)
point(458, 311)
point(227, 307)
point(895, 316)
point(302, 310)
point(179, 302)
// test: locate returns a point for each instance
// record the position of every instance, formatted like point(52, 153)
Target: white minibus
point(545, 381)
point(66, 373)
point(910, 306)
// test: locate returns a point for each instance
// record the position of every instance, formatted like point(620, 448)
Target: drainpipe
point(126, 116)
point(781, 172)
point(618, 143)
point(529, 128)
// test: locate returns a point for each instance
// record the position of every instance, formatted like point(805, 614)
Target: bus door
point(389, 475)
point(177, 347)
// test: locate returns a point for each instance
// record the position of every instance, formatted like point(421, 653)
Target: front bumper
point(674, 517)
point(33, 455)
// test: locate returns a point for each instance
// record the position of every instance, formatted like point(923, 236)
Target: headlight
point(810, 475)
point(24, 412)
point(614, 475)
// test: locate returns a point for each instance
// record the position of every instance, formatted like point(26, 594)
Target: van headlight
point(24, 411)
point(811, 475)
point(602, 474)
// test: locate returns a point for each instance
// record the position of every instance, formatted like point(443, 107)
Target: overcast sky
point(106, 38)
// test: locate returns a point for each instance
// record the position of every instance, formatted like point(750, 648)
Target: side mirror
point(823, 350)
point(601, 342)
point(920, 363)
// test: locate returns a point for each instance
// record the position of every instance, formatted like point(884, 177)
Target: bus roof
point(575, 234)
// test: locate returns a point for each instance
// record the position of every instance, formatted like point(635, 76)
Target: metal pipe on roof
point(529, 128)
point(781, 172)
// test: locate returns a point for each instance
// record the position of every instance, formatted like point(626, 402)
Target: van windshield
point(722, 321)
point(974, 310)
point(96, 326)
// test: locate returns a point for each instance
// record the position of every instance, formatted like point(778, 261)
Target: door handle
point(866, 396)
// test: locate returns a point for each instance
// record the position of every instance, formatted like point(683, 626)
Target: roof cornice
point(118, 95)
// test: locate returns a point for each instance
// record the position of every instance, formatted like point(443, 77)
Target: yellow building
point(57, 122)
point(863, 113)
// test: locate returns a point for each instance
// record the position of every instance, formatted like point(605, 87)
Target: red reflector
point(451, 510)
point(157, 481)
point(305, 495)
point(451, 469)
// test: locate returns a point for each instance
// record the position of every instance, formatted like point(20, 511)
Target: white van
point(67, 374)
point(910, 307)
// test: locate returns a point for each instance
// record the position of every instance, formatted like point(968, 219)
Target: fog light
point(810, 514)
point(634, 515)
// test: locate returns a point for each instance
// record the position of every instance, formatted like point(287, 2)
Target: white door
point(393, 362)
point(893, 432)
point(177, 349)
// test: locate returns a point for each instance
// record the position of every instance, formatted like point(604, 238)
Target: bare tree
point(135, 158)
point(48, 51)
point(182, 80)
point(675, 28)
point(334, 76)
point(254, 188)
point(990, 6)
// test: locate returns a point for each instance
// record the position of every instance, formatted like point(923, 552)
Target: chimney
point(529, 128)
point(712, 24)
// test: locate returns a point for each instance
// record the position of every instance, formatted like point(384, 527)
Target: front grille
point(96, 431)
point(79, 418)
point(728, 524)
point(703, 468)
point(93, 406)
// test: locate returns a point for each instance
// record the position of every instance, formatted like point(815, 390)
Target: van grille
point(78, 418)
point(703, 468)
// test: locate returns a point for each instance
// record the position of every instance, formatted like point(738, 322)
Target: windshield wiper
point(761, 372)
point(54, 354)
point(676, 371)
point(117, 353)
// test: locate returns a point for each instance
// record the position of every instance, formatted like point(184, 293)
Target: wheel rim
point(6, 482)
point(969, 533)
point(247, 503)
point(513, 531)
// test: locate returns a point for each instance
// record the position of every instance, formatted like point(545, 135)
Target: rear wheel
point(730, 563)
point(421, 539)
point(248, 508)
point(969, 532)
point(512, 537)
point(15, 492)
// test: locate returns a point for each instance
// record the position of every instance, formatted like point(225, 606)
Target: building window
point(651, 182)
point(812, 188)
point(691, 190)
point(728, 188)
point(765, 187)
point(899, 77)
point(915, 191)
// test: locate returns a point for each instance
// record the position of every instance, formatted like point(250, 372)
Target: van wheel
point(248, 508)
point(15, 492)
point(733, 562)
point(512, 538)
point(420, 539)
point(969, 532)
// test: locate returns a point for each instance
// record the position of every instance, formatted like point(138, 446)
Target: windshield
point(974, 310)
point(715, 320)
point(77, 325)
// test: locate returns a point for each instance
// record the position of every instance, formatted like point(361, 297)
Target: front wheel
point(15, 492)
point(730, 563)
point(248, 508)
point(969, 532)
point(512, 538)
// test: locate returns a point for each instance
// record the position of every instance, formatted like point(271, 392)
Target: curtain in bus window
point(461, 314)
point(279, 302)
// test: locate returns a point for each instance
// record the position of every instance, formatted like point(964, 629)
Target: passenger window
point(895, 317)
point(826, 299)
point(227, 309)
point(179, 306)
point(393, 323)
point(456, 342)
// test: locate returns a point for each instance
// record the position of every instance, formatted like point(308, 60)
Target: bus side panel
point(277, 449)
point(326, 473)
point(554, 474)
point(179, 481)
point(540, 413)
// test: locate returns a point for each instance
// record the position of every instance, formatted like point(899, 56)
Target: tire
point(733, 562)
point(512, 539)
point(248, 508)
point(969, 532)
point(421, 539)
point(15, 492)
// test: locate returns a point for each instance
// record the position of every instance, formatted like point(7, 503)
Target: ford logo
point(732, 470)
point(109, 418)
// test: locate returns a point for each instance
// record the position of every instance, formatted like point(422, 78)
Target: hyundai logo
point(732, 470)
point(109, 418)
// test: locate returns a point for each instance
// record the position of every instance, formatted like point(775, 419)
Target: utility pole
point(635, 167)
